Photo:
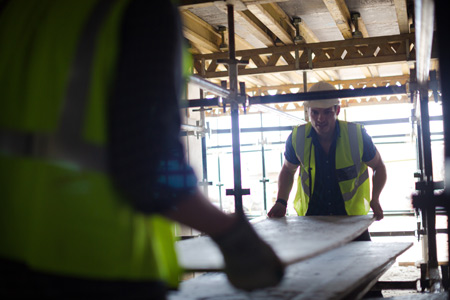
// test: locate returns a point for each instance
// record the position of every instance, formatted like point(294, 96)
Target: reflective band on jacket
point(67, 143)
point(351, 172)
point(60, 212)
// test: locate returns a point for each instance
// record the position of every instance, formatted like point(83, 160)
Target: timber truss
point(326, 55)
point(299, 60)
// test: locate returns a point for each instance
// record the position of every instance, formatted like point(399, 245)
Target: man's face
point(323, 120)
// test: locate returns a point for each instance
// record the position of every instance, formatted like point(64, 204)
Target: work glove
point(250, 263)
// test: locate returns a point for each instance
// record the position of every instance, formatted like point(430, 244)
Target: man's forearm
point(378, 181)
point(285, 183)
point(197, 212)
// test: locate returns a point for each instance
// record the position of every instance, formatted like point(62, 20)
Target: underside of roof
point(285, 45)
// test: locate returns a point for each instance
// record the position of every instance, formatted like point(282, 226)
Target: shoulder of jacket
point(297, 127)
point(351, 123)
point(303, 125)
point(300, 125)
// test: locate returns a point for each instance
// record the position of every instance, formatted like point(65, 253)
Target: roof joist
point(327, 55)
point(200, 33)
point(275, 19)
point(341, 15)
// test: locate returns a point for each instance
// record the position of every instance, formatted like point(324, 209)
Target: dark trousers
point(364, 237)
point(17, 281)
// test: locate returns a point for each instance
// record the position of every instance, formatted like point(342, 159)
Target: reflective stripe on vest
point(354, 148)
point(300, 151)
point(67, 144)
point(60, 214)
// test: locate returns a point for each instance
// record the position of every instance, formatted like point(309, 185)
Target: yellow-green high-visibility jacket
point(59, 211)
point(353, 179)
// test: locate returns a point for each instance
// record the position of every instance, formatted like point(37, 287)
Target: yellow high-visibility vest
point(61, 214)
point(353, 179)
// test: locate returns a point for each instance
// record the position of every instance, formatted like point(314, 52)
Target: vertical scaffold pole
point(234, 106)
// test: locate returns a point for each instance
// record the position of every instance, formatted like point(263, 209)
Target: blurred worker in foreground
point(333, 157)
point(91, 163)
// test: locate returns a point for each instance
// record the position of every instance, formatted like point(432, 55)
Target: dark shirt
point(327, 197)
point(146, 157)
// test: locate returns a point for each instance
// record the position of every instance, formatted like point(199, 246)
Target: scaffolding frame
point(426, 200)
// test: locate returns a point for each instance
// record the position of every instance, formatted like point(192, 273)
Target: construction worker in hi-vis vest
point(332, 157)
point(91, 165)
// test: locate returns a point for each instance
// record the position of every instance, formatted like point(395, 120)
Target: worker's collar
point(337, 132)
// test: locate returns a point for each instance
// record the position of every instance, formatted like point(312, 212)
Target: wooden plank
point(274, 18)
point(339, 12)
point(332, 275)
point(307, 33)
point(186, 4)
point(293, 239)
point(335, 44)
point(402, 15)
point(199, 32)
point(255, 27)
point(424, 296)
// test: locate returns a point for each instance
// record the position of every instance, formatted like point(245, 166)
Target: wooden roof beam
point(402, 16)
point(241, 44)
point(200, 33)
point(307, 33)
point(341, 15)
point(327, 55)
point(254, 26)
point(357, 83)
point(187, 4)
point(254, 31)
point(275, 19)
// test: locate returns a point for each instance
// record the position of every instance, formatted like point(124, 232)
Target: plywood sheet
point(293, 238)
point(332, 275)
point(424, 296)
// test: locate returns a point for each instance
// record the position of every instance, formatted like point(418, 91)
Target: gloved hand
point(250, 263)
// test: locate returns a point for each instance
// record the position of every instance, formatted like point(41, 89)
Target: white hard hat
point(322, 86)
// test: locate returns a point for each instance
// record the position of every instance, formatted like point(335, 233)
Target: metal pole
point(205, 167)
point(264, 179)
point(219, 184)
point(232, 52)
point(424, 26)
point(282, 114)
point(310, 96)
point(442, 24)
point(204, 183)
point(322, 95)
point(234, 106)
point(426, 138)
point(209, 86)
point(305, 82)
point(236, 161)
point(430, 210)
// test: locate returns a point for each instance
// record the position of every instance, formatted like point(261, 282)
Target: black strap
point(282, 201)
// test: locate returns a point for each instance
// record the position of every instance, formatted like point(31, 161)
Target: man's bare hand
point(377, 210)
point(277, 211)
